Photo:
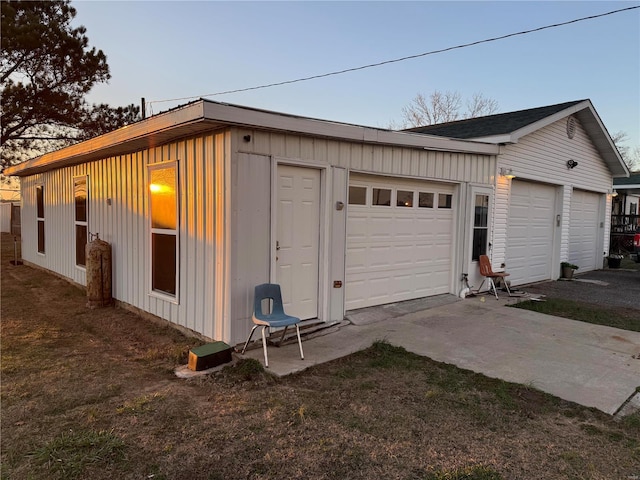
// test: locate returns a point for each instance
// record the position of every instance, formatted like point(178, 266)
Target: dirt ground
point(92, 394)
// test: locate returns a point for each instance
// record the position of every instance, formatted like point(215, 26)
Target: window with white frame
point(81, 196)
point(357, 195)
point(480, 226)
point(163, 206)
point(425, 200)
point(404, 198)
point(381, 197)
point(444, 200)
point(40, 216)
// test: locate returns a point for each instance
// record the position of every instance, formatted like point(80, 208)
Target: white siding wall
point(203, 173)
point(342, 156)
point(250, 236)
point(411, 162)
point(542, 156)
point(224, 185)
point(5, 217)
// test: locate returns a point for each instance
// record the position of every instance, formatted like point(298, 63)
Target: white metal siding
point(338, 225)
point(250, 237)
point(118, 211)
point(411, 162)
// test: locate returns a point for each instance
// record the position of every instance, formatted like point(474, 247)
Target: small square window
point(425, 200)
point(404, 198)
point(357, 195)
point(381, 196)
point(444, 200)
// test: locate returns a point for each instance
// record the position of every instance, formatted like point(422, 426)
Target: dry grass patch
point(91, 394)
point(624, 318)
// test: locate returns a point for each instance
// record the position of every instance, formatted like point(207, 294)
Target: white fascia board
point(129, 133)
point(203, 114)
point(603, 142)
point(497, 139)
point(549, 120)
point(247, 117)
point(590, 119)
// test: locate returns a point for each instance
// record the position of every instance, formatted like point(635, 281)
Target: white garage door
point(583, 229)
point(530, 230)
point(399, 240)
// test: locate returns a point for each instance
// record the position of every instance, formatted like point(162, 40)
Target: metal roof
point(205, 115)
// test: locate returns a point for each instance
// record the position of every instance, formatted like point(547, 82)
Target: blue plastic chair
point(274, 319)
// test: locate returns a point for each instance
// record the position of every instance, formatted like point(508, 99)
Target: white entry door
point(298, 239)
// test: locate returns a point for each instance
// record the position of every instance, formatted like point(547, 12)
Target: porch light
point(614, 193)
point(507, 173)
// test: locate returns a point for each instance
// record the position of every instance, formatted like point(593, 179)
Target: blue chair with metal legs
point(276, 318)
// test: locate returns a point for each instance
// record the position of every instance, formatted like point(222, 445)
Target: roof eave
point(598, 133)
point(249, 117)
point(206, 115)
point(144, 134)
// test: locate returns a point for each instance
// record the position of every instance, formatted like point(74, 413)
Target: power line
point(402, 59)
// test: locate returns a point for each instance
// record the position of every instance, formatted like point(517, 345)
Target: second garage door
point(399, 240)
point(530, 231)
point(583, 229)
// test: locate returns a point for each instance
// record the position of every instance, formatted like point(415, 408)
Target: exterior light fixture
point(571, 164)
point(614, 193)
point(507, 173)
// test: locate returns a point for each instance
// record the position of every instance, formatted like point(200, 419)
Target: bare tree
point(441, 107)
point(633, 159)
point(630, 155)
point(480, 106)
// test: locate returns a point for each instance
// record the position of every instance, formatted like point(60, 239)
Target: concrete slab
point(592, 365)
point(632, 405)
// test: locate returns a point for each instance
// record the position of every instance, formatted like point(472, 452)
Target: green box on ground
point(209, 355)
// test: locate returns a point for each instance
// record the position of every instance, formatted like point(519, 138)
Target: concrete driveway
point(592, 365)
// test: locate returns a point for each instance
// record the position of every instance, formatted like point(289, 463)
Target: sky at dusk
point(163, 50)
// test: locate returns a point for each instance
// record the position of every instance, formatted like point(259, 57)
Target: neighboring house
point(553, 187)
point(9, 206)
point(203, 202)
point(625, 216)
point(625, 203)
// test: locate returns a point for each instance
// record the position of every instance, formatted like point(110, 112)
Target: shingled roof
point(500, 124)
point(633, 180)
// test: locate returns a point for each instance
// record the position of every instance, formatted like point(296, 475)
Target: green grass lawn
point(626, 320)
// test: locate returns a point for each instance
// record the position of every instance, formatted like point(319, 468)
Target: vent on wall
point(571, 127)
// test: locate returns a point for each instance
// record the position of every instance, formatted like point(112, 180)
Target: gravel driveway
point(611, 287)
